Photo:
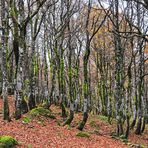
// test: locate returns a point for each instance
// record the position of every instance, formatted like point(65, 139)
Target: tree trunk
point(118, 71)
point(85, 64)
point(20, 68)
point(4, 64)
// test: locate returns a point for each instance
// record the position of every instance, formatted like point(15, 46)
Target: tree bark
point(4, 64)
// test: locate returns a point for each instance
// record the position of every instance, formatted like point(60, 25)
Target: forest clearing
point(74, 73)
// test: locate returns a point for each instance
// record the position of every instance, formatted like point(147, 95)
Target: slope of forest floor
point(49, 133)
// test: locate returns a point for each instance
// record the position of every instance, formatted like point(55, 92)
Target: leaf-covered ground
point(42, 132)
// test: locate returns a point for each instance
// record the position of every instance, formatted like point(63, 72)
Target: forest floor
point(49, 133)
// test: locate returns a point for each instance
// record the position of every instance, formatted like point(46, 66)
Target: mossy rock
point(45, 105)
point(121, 138)
point(83, 134)
point(93, 124)
point(7, 142)
point(103, 118)
point(135, 145)
point(26, 120)
point(51, 116)
point(40, 111)
point(59, 123)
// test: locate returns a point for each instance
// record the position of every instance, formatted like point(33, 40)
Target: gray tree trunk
point(4, 63)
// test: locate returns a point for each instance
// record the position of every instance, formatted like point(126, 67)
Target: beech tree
point(4, 62)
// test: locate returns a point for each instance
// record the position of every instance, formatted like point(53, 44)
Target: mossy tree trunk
point(17, 53)
point(34, 67)
point(60, 73)
point(4, 63)
point(140, 95)
point(31, 101)
point(119, 71)
point(46, 81)
point(62, 103)
point(140, 74)
point(53, 70)
point(135, 96)
point(61, 62)
point(85, 71)
point(70, 69)
point(85, 87)
point(89, 37)
point(128, 96)
point(20, 103)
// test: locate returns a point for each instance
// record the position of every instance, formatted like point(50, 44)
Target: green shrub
point(7, 142)
point(83, 134)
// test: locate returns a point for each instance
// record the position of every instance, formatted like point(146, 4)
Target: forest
point(74, 73)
